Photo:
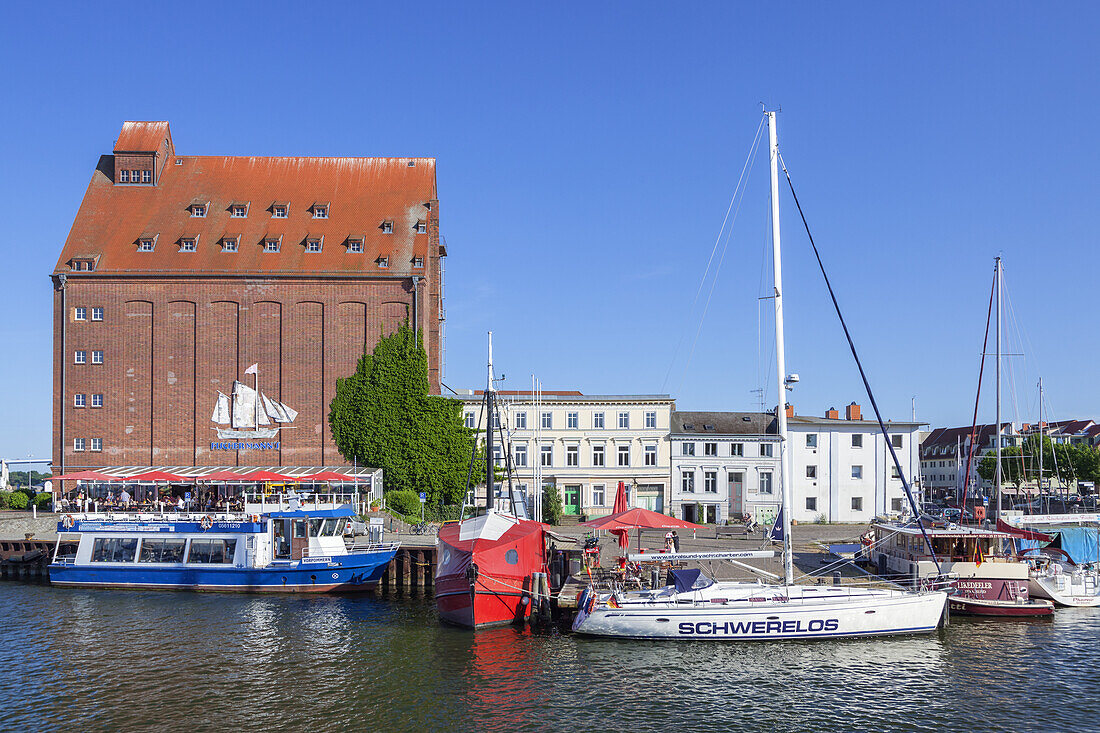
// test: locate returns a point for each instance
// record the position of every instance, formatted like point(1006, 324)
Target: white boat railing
point(351, 547)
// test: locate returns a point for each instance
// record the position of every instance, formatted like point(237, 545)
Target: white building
point(842, 470)
point(724, 465)
point(585, 445)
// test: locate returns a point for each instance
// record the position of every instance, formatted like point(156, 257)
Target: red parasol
point(268, 476)
point(154, 476)
point(638, 518)
point(621, 506)
point(222, 476)
point(326, 476)
point(84, 476)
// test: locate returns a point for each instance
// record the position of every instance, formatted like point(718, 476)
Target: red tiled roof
point(362, 193)
point(141, 137)
point(527, 392)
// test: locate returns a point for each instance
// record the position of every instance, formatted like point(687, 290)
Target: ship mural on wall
point(249, 413)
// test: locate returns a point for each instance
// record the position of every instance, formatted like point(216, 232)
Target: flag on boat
point(252, 369)
point(978, 559)
point(776, 532)
point(613, 602)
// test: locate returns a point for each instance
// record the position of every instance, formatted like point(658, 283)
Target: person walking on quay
point(669, 543)
point(675, 541)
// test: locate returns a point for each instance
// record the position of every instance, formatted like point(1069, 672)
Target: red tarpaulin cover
point(1025, 534)
point(640, 518)
point(157, 476)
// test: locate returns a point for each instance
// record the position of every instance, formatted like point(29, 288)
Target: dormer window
point(271, 245)
point(82, 265)
point(198, 211)
point(383, 262)
point(229, 244)
point(387, 227)
point(421, 227)
point(146, 245)
point(418, 261)
point(355, 245)
point(147, 176)
point(320, 211)
point(124, 176)
point(238, 211)
point(313, 245)
point(188, 244)
point(279, 211)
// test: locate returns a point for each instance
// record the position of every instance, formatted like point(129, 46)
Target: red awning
point(326, 476)
point(640, 518)
point(222, 476)
point(1025, 534)
point(84, 476)
point(268, 476)
point(153, 476)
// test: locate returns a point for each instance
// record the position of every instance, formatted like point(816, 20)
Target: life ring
point(206, 522)
point(255, 517)
point(67, 521)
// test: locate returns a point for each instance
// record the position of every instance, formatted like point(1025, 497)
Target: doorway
point(737, 494)
point(571, 499)
point(687, 512)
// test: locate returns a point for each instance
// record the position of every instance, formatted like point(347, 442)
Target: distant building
point(943, 455)
point(181, 271)
point(842, 470)
point(585, 445)
point(724, 465)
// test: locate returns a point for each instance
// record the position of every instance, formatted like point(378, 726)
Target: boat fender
point(206, 522)
point(471, 573)
point(67, 521)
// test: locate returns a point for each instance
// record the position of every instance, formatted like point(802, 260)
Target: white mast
point(1041, 441)
point(780, 357)
point(997, 475)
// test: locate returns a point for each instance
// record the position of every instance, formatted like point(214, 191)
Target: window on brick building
point(271, 245)
point(187, 245)
point(418, 261)
point(97, 400)
point(198, 211)
point(82, 265)
point(421, 227)
point(279, 211)
point(145, 245)
point(78, 400)
point(229, 244)
point(387, 227)
point(355, 245)
point(80, 357)
point(97, 357)
point(320, 211)
point(238, 211)
point(135, 176)
point(97, 445)
point(97, 314)
point(78, 444)
point(124, 176)
point(383, 262)
point(80, 314)
point(313, 245)
point(146, 177)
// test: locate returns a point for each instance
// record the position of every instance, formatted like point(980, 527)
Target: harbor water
point(78, 660)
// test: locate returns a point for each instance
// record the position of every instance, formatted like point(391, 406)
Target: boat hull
point(965, 606)
point(339, 574)
point(492, 602)
point(1064, 593)
point(868, 614)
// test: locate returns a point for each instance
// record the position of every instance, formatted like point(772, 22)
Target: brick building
point(181, 271)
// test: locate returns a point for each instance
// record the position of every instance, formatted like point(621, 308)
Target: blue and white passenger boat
point(293, 547)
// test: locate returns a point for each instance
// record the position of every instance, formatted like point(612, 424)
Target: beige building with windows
point(584, 445)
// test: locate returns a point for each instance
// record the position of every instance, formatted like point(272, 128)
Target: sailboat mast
point(997, 476)
point(780, 356)
point(491, 411)
point(1041, 441)
point(256, 376)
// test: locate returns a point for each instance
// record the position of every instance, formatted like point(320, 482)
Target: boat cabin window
point(166, 550)
point(511, 557)
point(328, 528)
point(114, 549)
point(212, 551)
point(301, 528)
point(315, 525)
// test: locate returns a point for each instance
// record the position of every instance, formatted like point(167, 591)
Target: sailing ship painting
point(249, 413)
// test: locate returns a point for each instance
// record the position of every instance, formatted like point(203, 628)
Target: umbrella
point(222, 476)
point(638, 518)
point(84, 476)
point(268, 476)
point(326, 476)
point(621, 506)
point(154, 476)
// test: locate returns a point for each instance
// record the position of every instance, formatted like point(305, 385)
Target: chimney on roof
point(852, 412)
point(832, 414)
point(790, 410)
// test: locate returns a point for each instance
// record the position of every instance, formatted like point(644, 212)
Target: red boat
point(993, 607)
point(484, 569)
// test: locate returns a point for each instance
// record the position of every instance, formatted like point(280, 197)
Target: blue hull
point(343, 573)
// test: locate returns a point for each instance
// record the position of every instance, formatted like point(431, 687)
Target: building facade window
point(598, 495)
point(811, 440)
point(421, 227)
point(651, 419)
point(547, 420)
point(355, 246)
point(521, 420)
point(572, 420)
point(687, 482)
point(469, 420)
point(765, 482)
point(320, 212)
point(811, 503)
point(271, 245)
point(78, 400)
point(145, 245)
point(894, 472)
point(599, 458)
point(651, 455)
point(97, 400)
point(546, 455)
point(278, 211)
point(688, 449)
point(857, 503)
point(895, 440)
point(572, 455)
point(80, 314)
point(97, 357)
point(857, 440)
point(597, 420)
point(811, 471)
point(383, 262)
point(229, 244)
point(710, 482)
point(418, 262)
point(124, 176)
point(198, 211)
point(80, 357)
point(187, 245)
point(737, 450)
point(766, 450)
point(387, 227)
point(521, 456)
point(624, 455)
point(857, 472)
point(710, 449)
point(313, 245)
point(97, 314)
point(239, 211)
point(146, 177)
point(78, 444)
point(97, 445)
point(624, 420)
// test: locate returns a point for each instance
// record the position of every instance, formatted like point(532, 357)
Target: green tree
point(384, 416)
point(552, 510)
point(1012, 468)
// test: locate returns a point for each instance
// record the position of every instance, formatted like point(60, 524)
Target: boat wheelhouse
point(294, 548)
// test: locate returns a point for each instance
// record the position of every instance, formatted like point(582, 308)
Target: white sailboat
point(695, 607)
point(248, 412)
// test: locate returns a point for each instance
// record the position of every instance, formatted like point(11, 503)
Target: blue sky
point(586, 157)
